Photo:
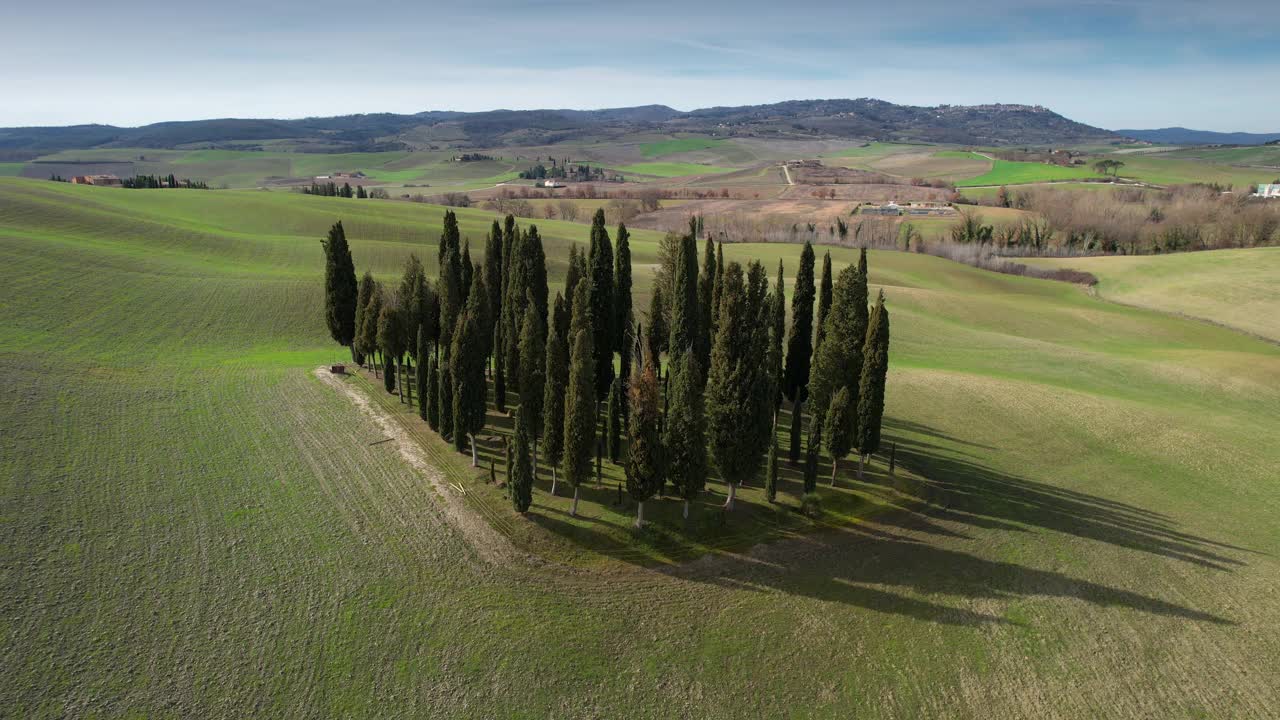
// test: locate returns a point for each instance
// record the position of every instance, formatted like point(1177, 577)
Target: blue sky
point(1110, 63)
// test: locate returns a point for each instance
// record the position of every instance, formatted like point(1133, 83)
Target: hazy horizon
point(1108, 63)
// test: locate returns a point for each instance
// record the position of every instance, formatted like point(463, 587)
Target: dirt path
point(490, 545)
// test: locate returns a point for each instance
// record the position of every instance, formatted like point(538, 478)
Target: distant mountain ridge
point(864, 118)
point(1185, 136)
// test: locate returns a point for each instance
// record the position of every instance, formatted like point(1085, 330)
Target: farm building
point(551, 184)
point(1271, 190)
point(886, 209)
point(103, 180)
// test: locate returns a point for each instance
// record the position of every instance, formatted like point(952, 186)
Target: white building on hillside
point(1268, 191)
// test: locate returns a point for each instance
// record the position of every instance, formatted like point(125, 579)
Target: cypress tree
point(449, 289)
point(684, 301)
point(706, 294)
point(771, 472)
point(412, 281)
point(644, 466)
point(839, 360)
point(520, 481)
point(445, 403)
point(450, 238)
point(684, 432)
point(421, 378)
point(737, 399)
point(797, 424)
point(861, 311)
point(579, 411)
point(871, 386)
point(433, 396)
point(369, 331)
point(467, 269)
point(553, 397)
point(612, 421)
point(777, 331)
point(499, 370)
point(600, 264)
point(576, 271)
point(340, 288)
point(533, 358)
point(493, 282)
point(363, 295)
point(811, 456)
point(824, 300)
point(388, 372)
point(799, 348)
point(622, 321)
point(839, 427)
point(389, 341)
point(467, 368)
point(658, 331)
point(715, 290)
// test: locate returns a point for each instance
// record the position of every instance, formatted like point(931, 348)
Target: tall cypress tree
point(365, 293)
point(706, 296)
point(613, 421)
point(389, 336)
point(493, 282)
point(513, 313)
point(520, 481)
point(838, 429)
point(861, 309)
point(412, 280)
point(777, 331)
point(444, 400)
point(771, 472)
point(600, 263)
point(684, 433)
point(797, 430)
point(533, 358)
point(622, 320)
point(580, 401)
point(656, 338)
point(645, 465)
point(433, 395)
point(467, 270)
point(684, 301)
point(799, 347)
point(875, 370)
point(576, 271)
point(715, 290)
point(553, 396)
point(340, 288)
point(824, 300)
point(467, 368)
point(839, 360)
point(450, 238)
point(449, 289)
point(737, 394)
point(421, 378)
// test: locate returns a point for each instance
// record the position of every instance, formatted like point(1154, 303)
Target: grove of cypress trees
point(644, 466)
point(579, 411)
point(553, 397)
point(875, 369)
point(799, 347)
point(600, 265)
point(839, 427)
point(685, 430)
point(520, 478)
point(737, 398)
point(340, 289)
point(824, 300)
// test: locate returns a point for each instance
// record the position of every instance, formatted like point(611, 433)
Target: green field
point(1166, 171)
point(676, 146)
point(193, 525)
point(1236, 288)
point(1005, 172)
point(10, 169)
point(671, 169)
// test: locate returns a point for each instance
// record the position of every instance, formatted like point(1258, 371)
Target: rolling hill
point(1184, 136)
point(193, 525)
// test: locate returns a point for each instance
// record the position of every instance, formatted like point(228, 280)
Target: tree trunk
point(640, 514)
point(686, 509)
point(399, 384)
point(862, 460)
point(733, 492)
point(410, 388)
point(835, 464)
point(473, 449)
point(553, 481)
point(573, 510)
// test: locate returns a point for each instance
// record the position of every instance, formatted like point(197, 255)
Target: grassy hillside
point(671, 169)
point(1236, 288)
point(1007, 172)
point(192, 525)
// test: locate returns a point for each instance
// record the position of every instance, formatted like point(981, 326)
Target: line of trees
point(332, 189)
point(567, 360)
point(162, 181)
